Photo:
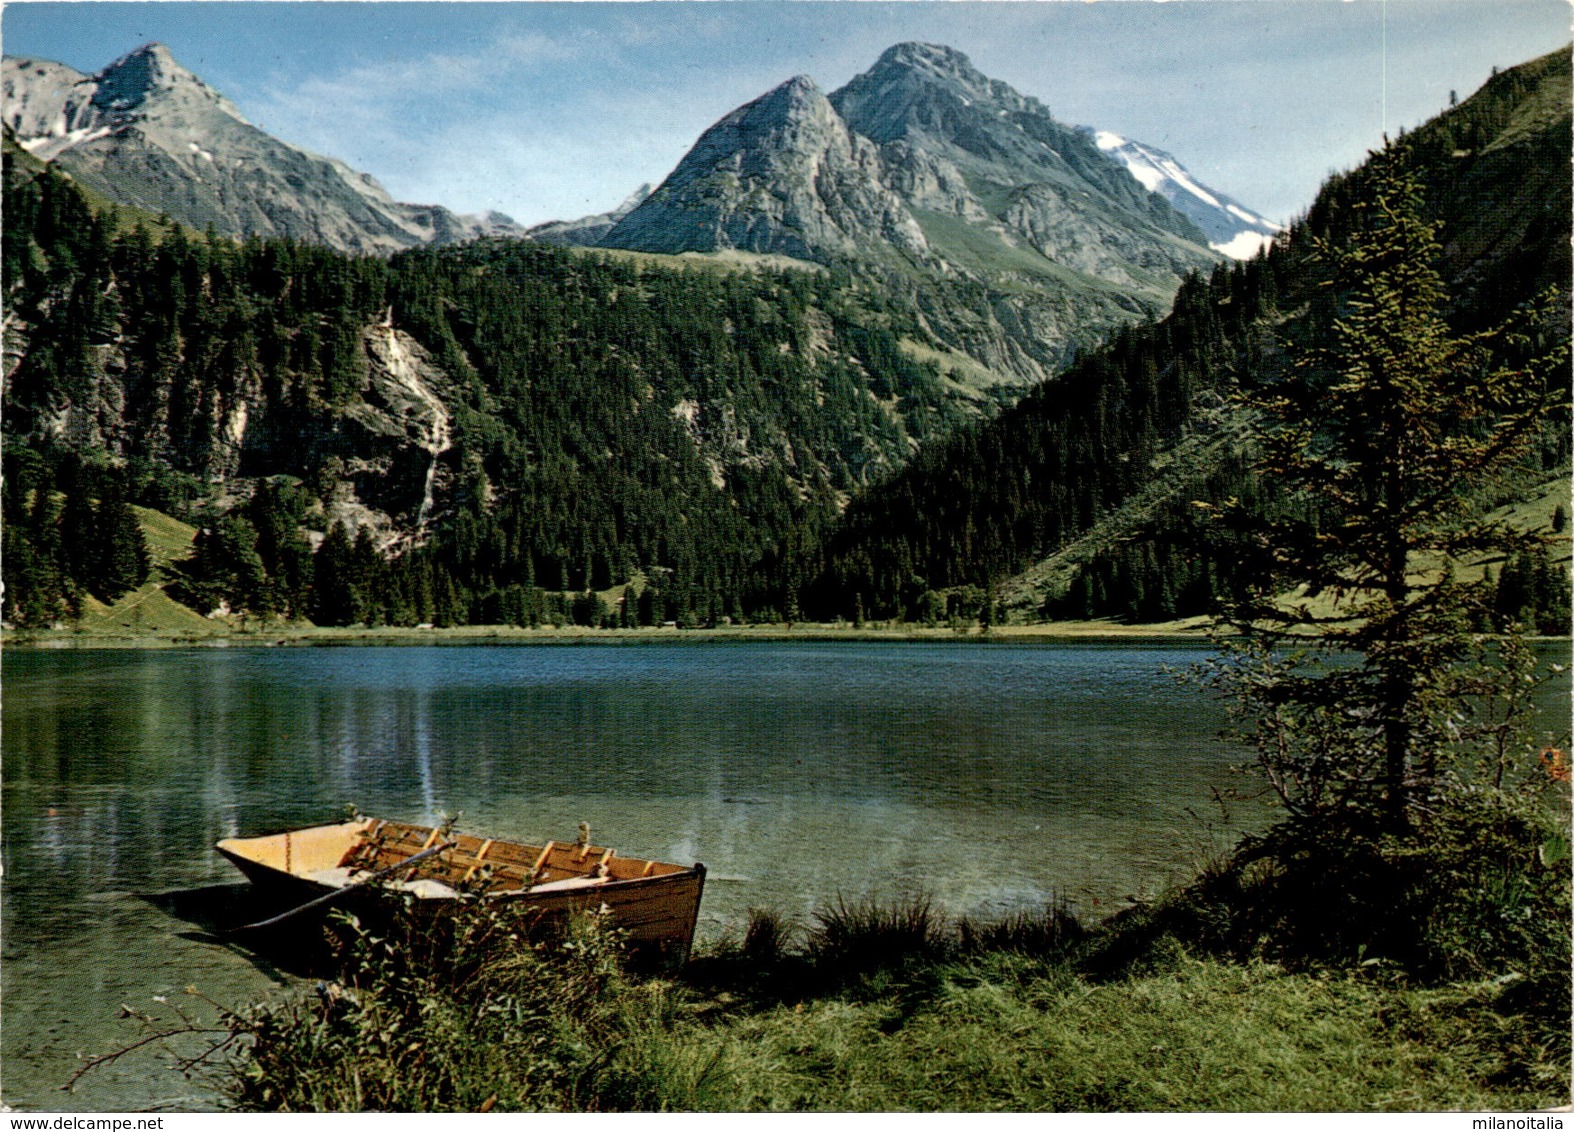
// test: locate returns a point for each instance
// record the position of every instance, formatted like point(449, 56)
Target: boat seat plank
point(431, 840)
point(512, 853)
point(568, 884)
point(500, 865)
point(475, 861)
point(573, 860)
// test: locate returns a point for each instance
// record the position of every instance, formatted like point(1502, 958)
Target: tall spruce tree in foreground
point(1387, 725)
point(1385, 427)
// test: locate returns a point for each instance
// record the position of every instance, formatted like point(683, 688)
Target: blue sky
point(545, 110)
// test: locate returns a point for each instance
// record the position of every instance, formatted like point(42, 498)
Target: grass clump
point(850, 940)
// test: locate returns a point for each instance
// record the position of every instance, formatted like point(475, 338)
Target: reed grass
point(849, 940)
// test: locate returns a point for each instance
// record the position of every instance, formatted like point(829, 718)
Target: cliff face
point(147, 132)
point(974, 148)
point(396, 434)
point(379, 455)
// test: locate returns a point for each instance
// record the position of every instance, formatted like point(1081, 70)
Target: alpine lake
point(992, 777)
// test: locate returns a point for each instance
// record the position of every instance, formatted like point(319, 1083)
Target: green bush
point(457, 1010)
point(1477, 887)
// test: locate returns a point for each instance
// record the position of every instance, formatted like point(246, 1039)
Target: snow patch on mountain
point(48, 145)
point(1232, 229)
point(1245, 245)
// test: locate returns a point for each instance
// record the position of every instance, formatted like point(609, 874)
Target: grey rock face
point(47, 104)
point(147, 132)
point(394, 438)
point(928, 180)
point(388, 448)
point(931, 93)
point(1014, 163)
point(783, 175)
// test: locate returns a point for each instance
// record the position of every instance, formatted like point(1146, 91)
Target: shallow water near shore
point(990, 777)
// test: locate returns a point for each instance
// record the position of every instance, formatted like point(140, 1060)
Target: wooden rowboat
point(656, 904)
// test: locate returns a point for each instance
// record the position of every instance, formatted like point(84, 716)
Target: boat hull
point(656, 913)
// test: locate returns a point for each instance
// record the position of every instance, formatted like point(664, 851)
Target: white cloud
point(540, 127)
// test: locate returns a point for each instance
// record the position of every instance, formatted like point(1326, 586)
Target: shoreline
point(1192, 630)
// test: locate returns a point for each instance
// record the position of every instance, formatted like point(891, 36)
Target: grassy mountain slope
point(1087, 463)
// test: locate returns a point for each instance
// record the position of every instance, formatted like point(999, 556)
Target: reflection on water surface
point(990, 777)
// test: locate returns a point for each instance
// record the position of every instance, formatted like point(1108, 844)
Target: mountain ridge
point(1018, 278)
point(926, 176)
point(587, 229)
point(145, 131)
point(1232, 229)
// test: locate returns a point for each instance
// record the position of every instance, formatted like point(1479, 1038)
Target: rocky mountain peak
point(787, 122)
point(781, 174)
point(926, 89)
point(932, 58)
point(797, 87)
point(796, 100)
point(147, 132)
point(132, 79)
point(929, 169)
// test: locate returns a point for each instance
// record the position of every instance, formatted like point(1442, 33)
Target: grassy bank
point(1010, 1033)
point(1192, 630)
point(886, 1009)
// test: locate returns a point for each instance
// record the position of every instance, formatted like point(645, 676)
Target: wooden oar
point(330, 897)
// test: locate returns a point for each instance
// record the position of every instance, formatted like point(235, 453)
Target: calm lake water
point(992, 777)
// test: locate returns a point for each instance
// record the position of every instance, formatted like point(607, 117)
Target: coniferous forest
point(630, 440)
point(609, 421)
